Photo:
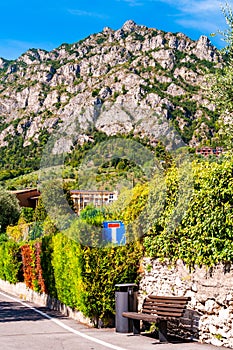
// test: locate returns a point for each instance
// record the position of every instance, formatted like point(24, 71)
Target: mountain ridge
point(133, 67)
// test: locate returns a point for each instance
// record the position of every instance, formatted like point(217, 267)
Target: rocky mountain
point(108, 81)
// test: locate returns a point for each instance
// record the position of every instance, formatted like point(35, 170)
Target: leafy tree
point(101, 269)
point(54, 200)
point(221, 84)
point(9, 209)
point(92, 215)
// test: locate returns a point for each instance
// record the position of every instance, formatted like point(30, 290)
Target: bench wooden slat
point(147, 317)
point(159, 310)
point(164, 302)
point(169, 313)
point(159, 306)
point(159, 297)
point(163, 313)
point(139, 316)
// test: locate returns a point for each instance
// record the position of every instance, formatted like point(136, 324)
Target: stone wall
point(209, 316)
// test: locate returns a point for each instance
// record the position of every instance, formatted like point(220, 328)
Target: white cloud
point(194, 6)
point(133, 3)
point(200, 7)
point(200, 24)
point(87, 14)
point(204, 15)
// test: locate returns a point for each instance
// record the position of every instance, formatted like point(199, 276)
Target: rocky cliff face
point(106, 81)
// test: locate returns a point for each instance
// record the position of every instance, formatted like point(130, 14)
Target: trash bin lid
point(126, 285)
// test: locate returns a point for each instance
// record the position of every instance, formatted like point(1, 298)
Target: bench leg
point(162, 324)
point(136, 327)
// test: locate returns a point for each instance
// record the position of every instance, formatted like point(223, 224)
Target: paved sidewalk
point(143, 342)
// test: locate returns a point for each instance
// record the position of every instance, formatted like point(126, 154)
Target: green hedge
point(10, 262)
point(79, 276)
point(85, 277)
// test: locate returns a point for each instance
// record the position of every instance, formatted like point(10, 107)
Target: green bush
point(205, 234)
point(47, 266)
point(32, 270)
point(67, 270)
point(102, 268)
point(85, 276)
point(10, 262)
point(27, 214)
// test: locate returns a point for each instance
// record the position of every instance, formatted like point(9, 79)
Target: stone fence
point(209, 316)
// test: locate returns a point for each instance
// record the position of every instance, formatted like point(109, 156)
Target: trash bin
point(126, 300)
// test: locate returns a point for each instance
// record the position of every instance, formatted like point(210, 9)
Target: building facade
point(82, 198)
point(207, 151)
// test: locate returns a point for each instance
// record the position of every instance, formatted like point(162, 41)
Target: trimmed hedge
point(85, 277)
point(10, 262)
point(81, 277)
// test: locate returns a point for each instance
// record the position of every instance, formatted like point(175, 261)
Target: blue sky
point(46, 24)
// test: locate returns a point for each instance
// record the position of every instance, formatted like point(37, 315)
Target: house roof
point(25, 190)
point(89, 191)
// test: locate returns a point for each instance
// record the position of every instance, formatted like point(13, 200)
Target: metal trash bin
point(126, 300)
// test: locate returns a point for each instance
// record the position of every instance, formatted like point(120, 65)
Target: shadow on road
point(13, 312)
point(171, 339)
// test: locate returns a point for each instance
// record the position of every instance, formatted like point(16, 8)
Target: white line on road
point(61, 324)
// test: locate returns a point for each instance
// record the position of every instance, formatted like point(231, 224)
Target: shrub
point(32, 271)
point(66, 266)
point(10, 262)
point(204, 236)
point(85, 276)
point(18, 232)
point(47, 266)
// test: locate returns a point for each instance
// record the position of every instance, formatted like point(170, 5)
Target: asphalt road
point(22, 326)
point(25, 326)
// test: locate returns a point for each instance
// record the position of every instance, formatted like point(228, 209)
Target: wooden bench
point(158, 309)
